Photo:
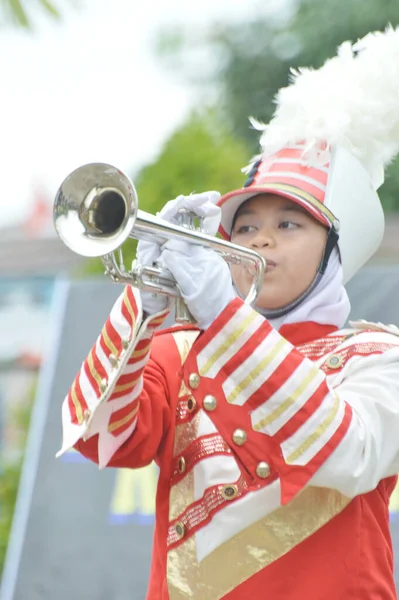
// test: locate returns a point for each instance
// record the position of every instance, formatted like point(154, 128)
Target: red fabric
point(300, 333)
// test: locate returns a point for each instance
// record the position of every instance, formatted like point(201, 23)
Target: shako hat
point(333, 132)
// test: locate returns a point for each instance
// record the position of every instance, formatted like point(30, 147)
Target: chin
point(265, 302)
point(268, 304)
point(266, 307)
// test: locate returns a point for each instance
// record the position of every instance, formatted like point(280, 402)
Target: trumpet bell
point(93, 218)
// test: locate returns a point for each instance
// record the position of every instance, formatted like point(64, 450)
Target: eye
point(288, 225)
point(244, 229)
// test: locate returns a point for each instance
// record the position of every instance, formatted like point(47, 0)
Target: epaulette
point(363, 325)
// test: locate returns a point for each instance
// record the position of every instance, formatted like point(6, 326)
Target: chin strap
point(331, 242)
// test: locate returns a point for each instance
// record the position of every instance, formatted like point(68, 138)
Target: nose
point(263, 238)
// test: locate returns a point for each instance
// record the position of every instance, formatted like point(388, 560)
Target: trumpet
point(96, 211)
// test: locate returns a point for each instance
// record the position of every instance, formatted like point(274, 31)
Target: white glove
point(148, 253)
point(203, 277)
point(203, 205)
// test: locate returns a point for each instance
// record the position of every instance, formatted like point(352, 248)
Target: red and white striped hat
point(285, 173)
point(333, 131)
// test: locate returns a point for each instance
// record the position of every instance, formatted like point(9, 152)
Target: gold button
point(113, 360)
point(194, 381)
point(191, 404)
point(239, 437)
point(103, 385)
point(210, 402)
point(229, 492)
point(86, 415)
point(335, 361)
point(263, 470)
point(181, 465)
point(180, 529)
point(125, 343)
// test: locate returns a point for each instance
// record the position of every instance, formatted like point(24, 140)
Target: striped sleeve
point(104, 398)
point(275, 397)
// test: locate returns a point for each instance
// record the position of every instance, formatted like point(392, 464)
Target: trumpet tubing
point(96, 211)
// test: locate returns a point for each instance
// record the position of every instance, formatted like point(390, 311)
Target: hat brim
point(231, 202)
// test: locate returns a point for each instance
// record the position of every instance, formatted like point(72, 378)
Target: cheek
point(316, 250)
point(304, 260)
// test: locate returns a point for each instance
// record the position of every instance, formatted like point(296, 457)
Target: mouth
point(270, 265)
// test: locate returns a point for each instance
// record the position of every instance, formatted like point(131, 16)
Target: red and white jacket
point(277, 451)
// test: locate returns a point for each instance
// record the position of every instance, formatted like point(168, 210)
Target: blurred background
point(162, 90)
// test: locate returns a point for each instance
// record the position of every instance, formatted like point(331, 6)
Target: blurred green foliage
point(10, 472)
point(9, 479)
point(16, 12)
point(201, 155)
point(253, 58)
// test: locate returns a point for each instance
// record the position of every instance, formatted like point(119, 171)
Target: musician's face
point(289, 239)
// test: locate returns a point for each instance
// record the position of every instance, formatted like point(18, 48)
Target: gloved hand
point(148, 253)
point(203, 277)
point(203, 205)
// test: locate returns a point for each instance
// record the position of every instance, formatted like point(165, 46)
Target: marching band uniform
point(277, 446)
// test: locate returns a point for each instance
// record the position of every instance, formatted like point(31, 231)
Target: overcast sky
point(91, 89)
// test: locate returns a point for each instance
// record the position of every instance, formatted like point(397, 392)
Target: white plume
point(351, 101)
